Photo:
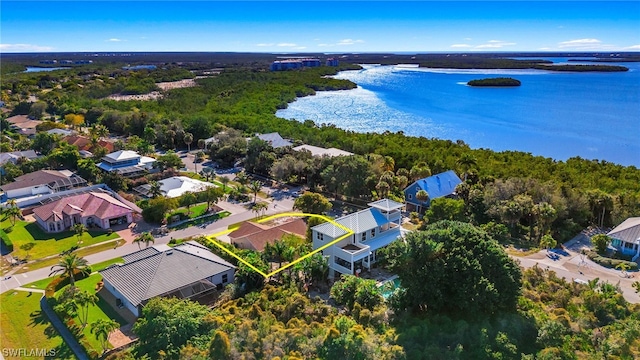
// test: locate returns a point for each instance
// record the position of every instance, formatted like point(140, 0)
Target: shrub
point(61, 281)
point(5, 239)
point(608, 262)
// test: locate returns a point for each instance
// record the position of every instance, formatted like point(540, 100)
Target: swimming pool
point(389, 286)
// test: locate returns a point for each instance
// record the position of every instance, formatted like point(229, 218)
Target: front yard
point(24, 232)
point(24, 326)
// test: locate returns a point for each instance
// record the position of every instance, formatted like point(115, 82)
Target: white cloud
point(544, 48)
point(115, 40)
point(579, 43)
point(24, 47)
point(349, 42)
point(287, 45)
point(300, 47)
point(321, 45)
point(494, 44)
point(460, 46)
point(264, 44)
point(632, 47)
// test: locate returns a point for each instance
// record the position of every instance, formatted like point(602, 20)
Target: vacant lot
point(23, 325)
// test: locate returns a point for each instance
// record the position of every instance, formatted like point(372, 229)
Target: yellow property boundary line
point(349, 233)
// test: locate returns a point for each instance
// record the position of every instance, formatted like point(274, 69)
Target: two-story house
point(126, 162)
point(438, 185)
point(373, 228)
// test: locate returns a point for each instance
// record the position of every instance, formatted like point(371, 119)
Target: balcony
point(382, 239)
point(352, 252)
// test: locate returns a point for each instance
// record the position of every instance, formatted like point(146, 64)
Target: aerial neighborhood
point(197, 224)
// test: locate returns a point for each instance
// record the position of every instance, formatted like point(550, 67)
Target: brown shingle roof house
point(42, 182)
point(84, 143)
point(91, 209)
point(254, 236)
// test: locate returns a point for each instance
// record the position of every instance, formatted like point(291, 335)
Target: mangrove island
point(500, 81)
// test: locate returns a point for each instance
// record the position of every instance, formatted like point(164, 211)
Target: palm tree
point(224, 180)
point(79, 229)
point(84, 299)
point(13, 212)
point(466, 163)
point(383, 189)
point(207, 172)
point(154, 189)
point(242, 178)
point(255, 187)
point(99, 131)
point(145, 238)
point(419, 171)
point(636, 285)
point(389, 163)
point(623, 267)
point(101, 329)
point(188, 139)
point(69, 265)
point(278, 249)
point(422, 196)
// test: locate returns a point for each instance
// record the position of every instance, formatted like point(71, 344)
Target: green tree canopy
point(454, 267)
point(312, 203)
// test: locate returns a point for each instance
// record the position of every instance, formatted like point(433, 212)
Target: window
point(52, 227)
point(320, 236)
point(58, 224)
point(373, 232)
point(410, 196)
point(364, 236)
point(225, 278)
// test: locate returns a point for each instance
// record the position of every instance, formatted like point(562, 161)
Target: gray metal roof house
point(186, 271)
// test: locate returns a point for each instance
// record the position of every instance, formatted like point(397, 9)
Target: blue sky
point(327, 26)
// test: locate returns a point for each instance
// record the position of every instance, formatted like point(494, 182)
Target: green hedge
point(61, 281)
point(5, 239)
point(608, 262)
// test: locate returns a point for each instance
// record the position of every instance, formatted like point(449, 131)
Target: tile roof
point(260, 234)
point(84, 143)
point(40, 177)
point(163, 272)
point(440, 185)
point(628, 230)
point(359, 222)
point(96, 204)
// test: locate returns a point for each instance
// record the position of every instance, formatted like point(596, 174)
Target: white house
point(176, 186)
point(186, 271)
point(374, 228)
point(626, 237)
point(320, 152)
point(42, 182)
point(126, 162)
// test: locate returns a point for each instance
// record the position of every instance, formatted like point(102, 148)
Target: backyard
point(24, 232)
point(101, 310)
point(25, 317)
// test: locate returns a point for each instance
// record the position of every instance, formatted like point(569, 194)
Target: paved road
point(571, 266)
point(282, 201)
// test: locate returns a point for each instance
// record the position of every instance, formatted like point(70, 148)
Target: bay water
point(594, 115)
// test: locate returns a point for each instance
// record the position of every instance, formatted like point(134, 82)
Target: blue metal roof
point(440, 185)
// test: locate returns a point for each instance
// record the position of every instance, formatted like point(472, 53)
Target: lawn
point(23, 325)
point(102, 310)
point(213, 217)
point(82, 252)
point(42, 284)
point(48, 244)
point(197, 210)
